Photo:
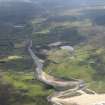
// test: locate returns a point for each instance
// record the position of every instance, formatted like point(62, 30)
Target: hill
point(82, 26)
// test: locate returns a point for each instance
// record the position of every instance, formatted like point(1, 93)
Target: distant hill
point(18, 12)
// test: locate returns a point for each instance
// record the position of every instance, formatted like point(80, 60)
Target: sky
point(59, 1)
point(15, 0)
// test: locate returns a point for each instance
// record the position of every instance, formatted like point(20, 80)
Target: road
point(67, 94)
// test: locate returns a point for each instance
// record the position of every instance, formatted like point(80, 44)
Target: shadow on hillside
point(19, 65)
point(10, 96)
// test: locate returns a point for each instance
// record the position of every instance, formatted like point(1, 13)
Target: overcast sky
point(15, 0)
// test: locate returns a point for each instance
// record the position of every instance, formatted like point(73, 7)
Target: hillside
point(45, 22)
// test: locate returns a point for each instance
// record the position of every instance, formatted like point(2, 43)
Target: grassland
point(18, 85)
